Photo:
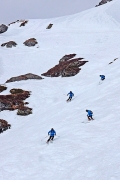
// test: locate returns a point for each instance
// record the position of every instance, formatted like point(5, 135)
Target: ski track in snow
point(87, 151)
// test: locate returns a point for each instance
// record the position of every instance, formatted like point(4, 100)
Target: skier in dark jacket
point(52, 133)
point(102, 77)
point(70, 95)
point(89, 115)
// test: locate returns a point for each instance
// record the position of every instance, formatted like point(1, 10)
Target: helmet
point(86, 110)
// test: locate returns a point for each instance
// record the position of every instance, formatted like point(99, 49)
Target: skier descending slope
point(52, 133)
point(102, 77)
point(70, 96)
point(89, 115)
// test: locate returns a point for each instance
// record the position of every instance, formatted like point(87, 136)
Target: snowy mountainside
point(89, 150)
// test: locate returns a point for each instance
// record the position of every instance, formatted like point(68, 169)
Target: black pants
point(69, 99)
point(50, 138)
point(90, 118)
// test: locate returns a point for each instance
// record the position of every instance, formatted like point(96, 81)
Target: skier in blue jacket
point(89, 115)
point(52, 133)
point(102, 77)
point(70, 95)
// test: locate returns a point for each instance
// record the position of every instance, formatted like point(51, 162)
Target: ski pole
point(44, 137)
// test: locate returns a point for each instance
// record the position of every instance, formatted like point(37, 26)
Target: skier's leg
point(49, 139)
point(89, 118)
point(68, 99)
point(52, 138)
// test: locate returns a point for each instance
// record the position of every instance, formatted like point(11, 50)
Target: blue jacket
point(70, 94)
point(52, 133)
point(102, 77)
point(90, 113)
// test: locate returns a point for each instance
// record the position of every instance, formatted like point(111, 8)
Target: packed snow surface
point(81, 150)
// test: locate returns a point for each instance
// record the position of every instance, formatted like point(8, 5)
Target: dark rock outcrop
point(24, 77)
point(15, 101)
point(67, 67)
point(24, 111)
point(13, 22)
point(49, 26)
point(103, 2)
point(3, 28)
point(30, 42)
point(16, 91)
point(9, 44)
point(23, 23)
point(2, 88)
point(113, 60)
point(4, 125)
point(67, 57)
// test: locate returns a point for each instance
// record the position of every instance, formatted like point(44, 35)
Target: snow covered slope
point(87, 151)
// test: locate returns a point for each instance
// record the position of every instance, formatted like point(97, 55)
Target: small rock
point(49, 26)
point(3, 28)
point(30, 42)
point(9, 44)
point(23, 23)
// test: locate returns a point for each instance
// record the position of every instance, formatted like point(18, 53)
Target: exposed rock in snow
point(4, 125)
point(24, 77)
point(103, 2)
point(67, 67)
point(15, 101)
point(113, 60)
point(24, 111)
point(9, 44)
point(30, 42)
point(2, 88)
point(16, 91)
point(49, 26)
point(23, 23)
point(3, 28)
point(13, 22)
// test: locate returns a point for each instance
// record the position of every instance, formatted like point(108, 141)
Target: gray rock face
point(49, 26)
point(103, 2)
point(24, 77)
point(24, 111)
point(9, 44)
point(30, 42)
point(3, 28)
